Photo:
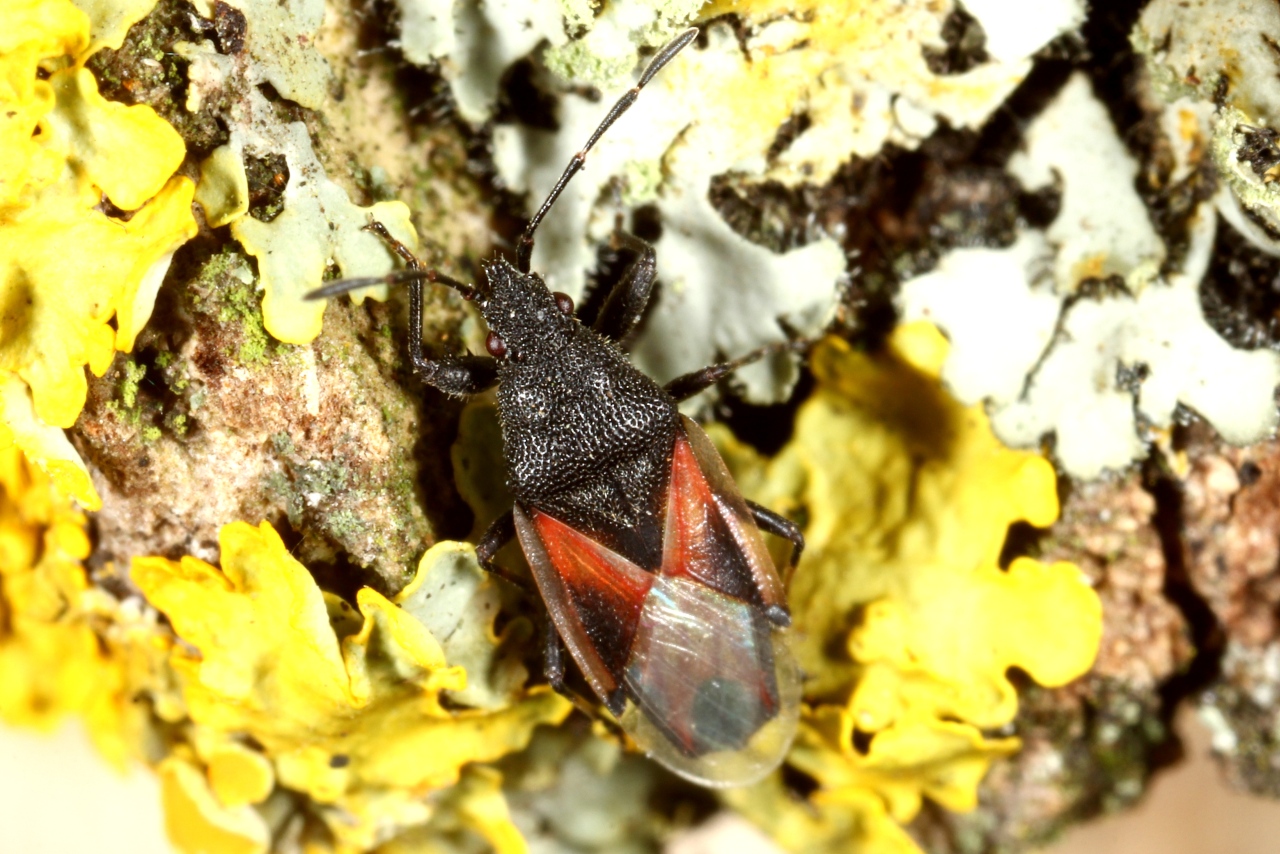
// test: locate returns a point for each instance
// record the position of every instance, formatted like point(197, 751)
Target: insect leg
point(553, 661)
point(524, 246)
point(500, 532)
point(553, 668)
point(626, 302)
point(780, 526)
point(457, 375)
point(687, 385)
point(406, 255)
point(460, 376)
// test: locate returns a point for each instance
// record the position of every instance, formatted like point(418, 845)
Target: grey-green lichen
point(133, 374)
point(1256, 192)
point(242, 304)
point(1165, 81)
point(227, 287)
point(577, 61)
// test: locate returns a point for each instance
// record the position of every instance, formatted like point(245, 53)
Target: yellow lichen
point(354, 720)
point(197, 821)
point(110, 20)
point(66, 265)
point(224, 187)
point(67, 647)
point(239, 775)
point(266, 698)
point(46, 446)
point(475, 807)
point(906, 624)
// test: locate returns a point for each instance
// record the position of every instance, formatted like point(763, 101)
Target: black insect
point(651, 564)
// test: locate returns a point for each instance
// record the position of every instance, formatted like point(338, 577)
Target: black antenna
point(398, 277)
point(414, 273)
point(524, 246)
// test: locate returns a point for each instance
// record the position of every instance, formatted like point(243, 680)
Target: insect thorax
point(588, 439)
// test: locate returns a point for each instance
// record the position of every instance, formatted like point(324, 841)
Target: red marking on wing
point(605, 591)
point(710, 536)
point(691, 515)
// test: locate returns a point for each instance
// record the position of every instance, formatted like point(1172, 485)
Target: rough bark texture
point(210, 419)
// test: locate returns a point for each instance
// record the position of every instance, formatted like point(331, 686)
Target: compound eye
point(564, 302)
point(495, 345)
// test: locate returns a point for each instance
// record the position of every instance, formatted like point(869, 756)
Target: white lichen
point(993, 351)
point(280, 40)
point(1161, 337)
point(475, 43)
point(1013, 34)
point(110, 20)
point(721, 294)
point(1102, 228)
point(724, 296)
point(1093, 369)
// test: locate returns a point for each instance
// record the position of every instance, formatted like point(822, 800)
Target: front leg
point(460, 376)
point(625, 304)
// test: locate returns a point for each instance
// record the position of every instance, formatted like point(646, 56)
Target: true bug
point(650, 563)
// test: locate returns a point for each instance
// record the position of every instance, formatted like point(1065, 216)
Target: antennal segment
point(524, 246)
point(399, 277)
point(415, 275)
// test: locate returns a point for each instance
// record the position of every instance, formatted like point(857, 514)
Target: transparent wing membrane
point(715, 688)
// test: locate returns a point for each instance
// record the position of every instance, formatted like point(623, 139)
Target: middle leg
point(687, 385)
point(553, 665)
point(500, 532)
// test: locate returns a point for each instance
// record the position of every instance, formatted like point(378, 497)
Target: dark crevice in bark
point(1207, 635)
